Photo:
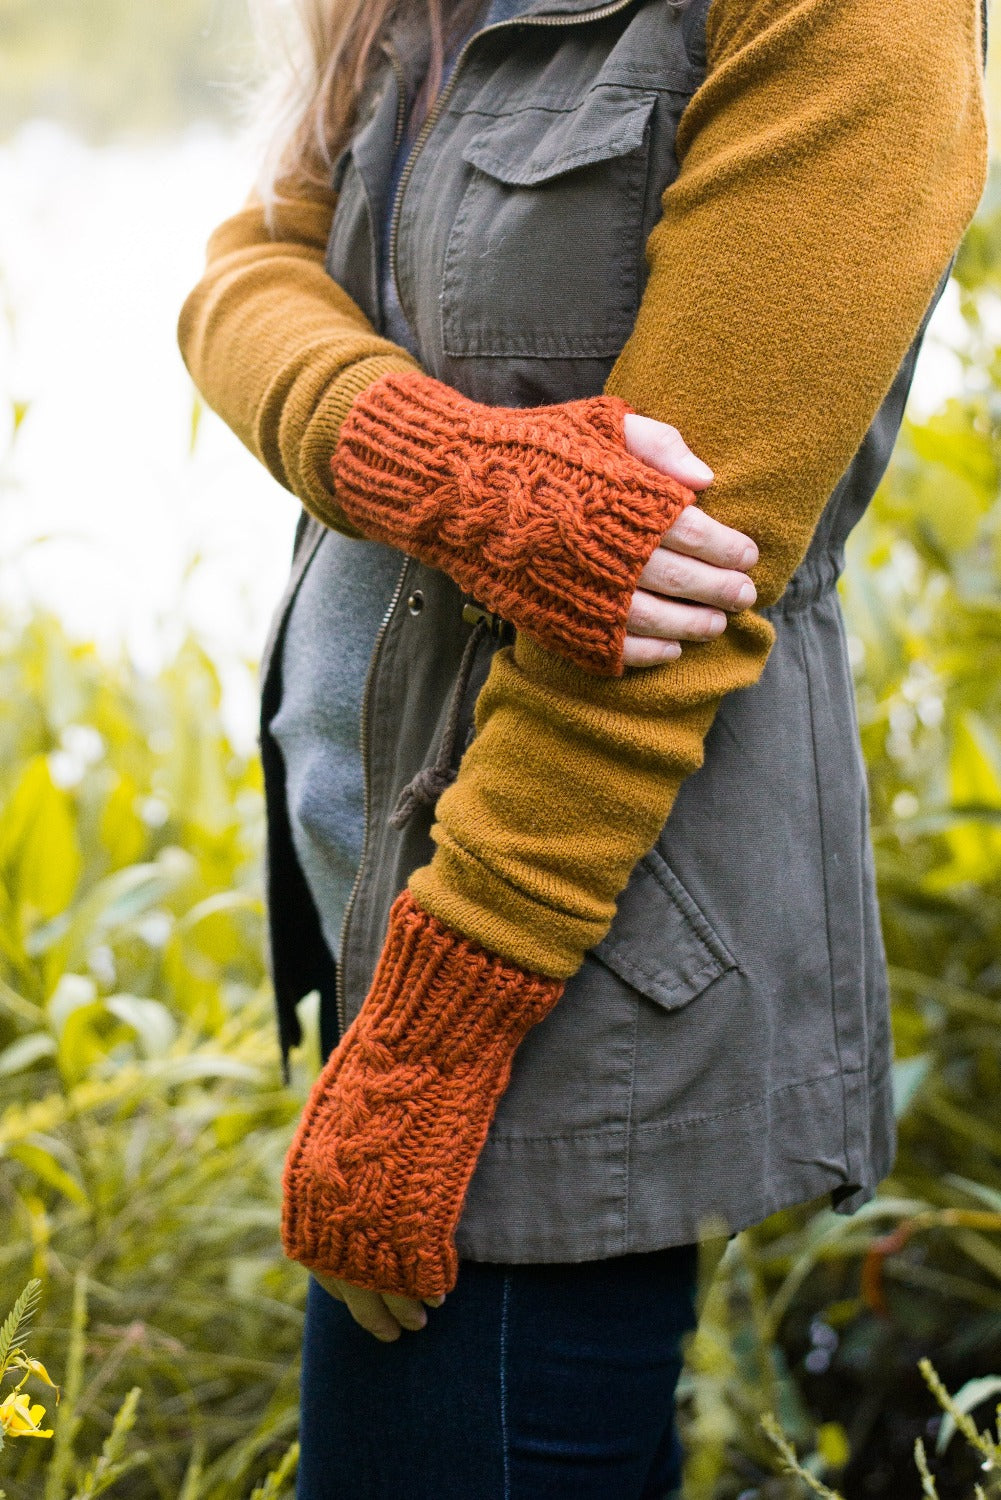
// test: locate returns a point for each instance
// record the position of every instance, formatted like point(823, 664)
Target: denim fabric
point(530, 1383)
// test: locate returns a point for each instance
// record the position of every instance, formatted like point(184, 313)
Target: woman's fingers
point(697, 574)
point(371, 1313)
point(407, 1311)
point(663, 448)
point(648, 651)
point(682, 599)
point(656, 627)
point(330, 1285)
point(383, 1314)
point(677, 576)
point(698, 535)
point(694, 533)
point(673, 619)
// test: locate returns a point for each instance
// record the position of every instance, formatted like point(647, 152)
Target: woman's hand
point(540, 514)
point(372, 1196)
point(697, 571)
point(382, 1314)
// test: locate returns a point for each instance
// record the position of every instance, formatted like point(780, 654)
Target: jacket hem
point(623, 1191)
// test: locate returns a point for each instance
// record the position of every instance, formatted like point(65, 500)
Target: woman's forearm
point(815, 213)
point(278, 349)
point(290, 362)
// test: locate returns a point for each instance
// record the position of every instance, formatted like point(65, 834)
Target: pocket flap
point(532, 145)
point(660, 941)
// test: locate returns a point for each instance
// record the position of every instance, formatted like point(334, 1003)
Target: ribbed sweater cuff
point(310, 438)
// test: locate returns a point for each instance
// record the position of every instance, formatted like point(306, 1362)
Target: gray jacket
point(725, 1051)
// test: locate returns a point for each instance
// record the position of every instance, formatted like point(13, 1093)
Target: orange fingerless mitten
point(377, 1171)
point(539, 513)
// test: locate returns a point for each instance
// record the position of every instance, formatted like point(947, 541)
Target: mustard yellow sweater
point(829, 164)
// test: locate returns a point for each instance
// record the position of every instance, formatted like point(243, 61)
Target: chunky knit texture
point(814, 212)
point(813, 215)
point(541, 514)
point(376, 1174)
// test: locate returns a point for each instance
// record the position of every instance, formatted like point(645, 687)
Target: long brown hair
point(326, 50)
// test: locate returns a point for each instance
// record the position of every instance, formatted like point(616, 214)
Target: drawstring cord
point(429, 783)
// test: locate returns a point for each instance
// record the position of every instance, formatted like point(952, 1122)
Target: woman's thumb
point(664, 449)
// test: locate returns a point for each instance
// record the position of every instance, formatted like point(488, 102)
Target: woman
point(630, 983)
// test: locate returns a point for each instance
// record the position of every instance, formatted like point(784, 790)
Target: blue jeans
point(532, 1382)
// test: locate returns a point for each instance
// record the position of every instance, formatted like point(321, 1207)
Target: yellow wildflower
point(18, 1418)
point(35, 1367)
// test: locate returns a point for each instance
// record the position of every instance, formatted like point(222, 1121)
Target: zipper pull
point(472, 614)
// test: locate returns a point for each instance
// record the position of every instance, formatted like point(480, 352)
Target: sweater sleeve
point(277, 348)
point(829, 164)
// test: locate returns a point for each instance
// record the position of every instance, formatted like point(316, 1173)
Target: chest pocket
point(545, 255)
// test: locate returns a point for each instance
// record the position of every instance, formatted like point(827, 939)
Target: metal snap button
point(416, 602)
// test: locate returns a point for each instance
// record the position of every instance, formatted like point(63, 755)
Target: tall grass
point(143, 1120)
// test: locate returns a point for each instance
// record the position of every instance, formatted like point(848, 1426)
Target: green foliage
point(956, 1409)
point(20, 1417)
point(143, 1121)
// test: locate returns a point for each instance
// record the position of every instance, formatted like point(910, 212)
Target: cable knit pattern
point(540, 514)
point(814, 211)
point(379, 1165)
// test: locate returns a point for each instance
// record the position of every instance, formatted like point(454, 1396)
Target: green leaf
point(26, 1051)
point(45, 1167)
point(15, 1325)
point(122, 831)
point(39, 849)
point(151, 1021)
point(966, 1399)
point(990, 1197)
point(909, 1074)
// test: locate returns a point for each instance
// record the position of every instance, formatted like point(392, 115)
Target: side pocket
point(660, 941)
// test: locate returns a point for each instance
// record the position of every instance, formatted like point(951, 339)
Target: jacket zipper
point(434, 114)
point(364, 738)
point(401, 93)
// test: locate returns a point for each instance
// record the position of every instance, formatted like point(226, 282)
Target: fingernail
point(717, 624)
point(749, 557)
point(693, 468)
point(747, 595)
point(672, 650)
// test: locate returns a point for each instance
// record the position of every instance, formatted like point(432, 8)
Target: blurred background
point(125, 135)
point(143, 1118)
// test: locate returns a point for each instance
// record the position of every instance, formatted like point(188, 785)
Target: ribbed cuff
point(312, 480)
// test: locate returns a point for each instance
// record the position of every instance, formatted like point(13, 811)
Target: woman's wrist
point(378, 1168)
point(541, 514)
